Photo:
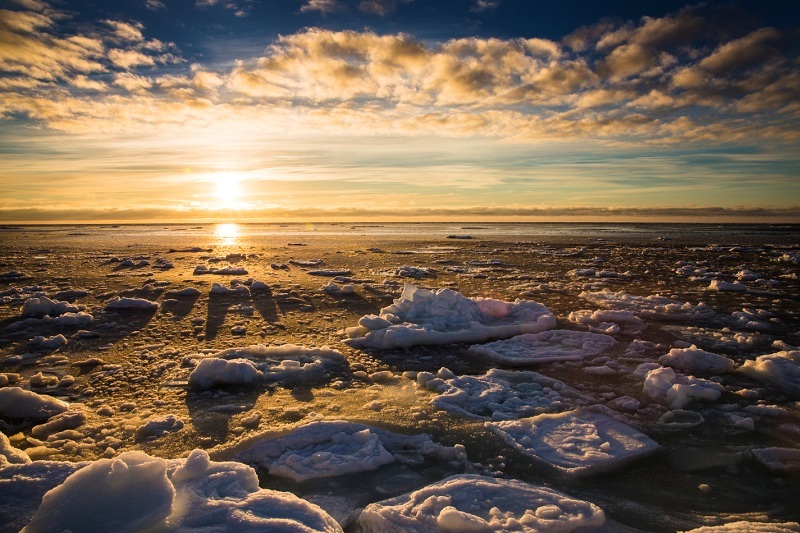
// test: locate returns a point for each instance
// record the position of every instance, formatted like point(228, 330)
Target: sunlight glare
point(227, 193)
point(227, 232)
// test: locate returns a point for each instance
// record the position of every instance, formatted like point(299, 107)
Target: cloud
point(658, 80)
point(483, 5)
point(743, 53)
point(380, 8)
point(240, 7)
point(180, 213)
point(132, 82)
point(323, 6)
point(124, 31)
point(26, 48)
point(154, 5)
point(127, 59)
point(84, 82)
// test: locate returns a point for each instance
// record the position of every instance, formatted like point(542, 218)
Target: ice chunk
point(130, 304)
point(333, 288)
point(477, 503)
point(234, 290)
point(225, 271)
point(128, 493)
point(576, 443)
point(780, 368)
point(677, 390)
point(750, 527)
point(16, 402)
point(67, 320)
point(333, 448)
point(44, 306)
point(609, 321)
point(654, 306)
point(137, 492)
point(544, 347)
point(224, 496)
point(443, 316)
point(693, 359)
point(717, 285)
point(342, 454)
point(784, 460)
point(503, 395)
point(281, 362)
point(214, 372)
point(158, 427)
point(9, 454)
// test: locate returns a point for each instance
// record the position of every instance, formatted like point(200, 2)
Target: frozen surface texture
point(476, 503)
point(333, 448)
point(575, 443)
point(502, 394)
point(443, 316)
point(544, 347)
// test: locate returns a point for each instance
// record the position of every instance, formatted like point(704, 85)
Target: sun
point(227, 192)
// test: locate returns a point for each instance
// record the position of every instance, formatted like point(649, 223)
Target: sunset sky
point(185, 110)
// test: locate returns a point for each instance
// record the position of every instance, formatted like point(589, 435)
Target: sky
point(340, 110)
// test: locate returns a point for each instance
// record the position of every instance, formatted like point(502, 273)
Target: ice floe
point(334, 448)
point(130, 304)
point(258, 362)
point(782, 369)
point(677, 390)
point(655, 307)
point(44, 306)
point(443, 316)
point(693, 359)
point(16, 402)
point(608, 321)
point(718, 285)
point(225, 271)
point(213, 372)
point(575, 443)
point(750, 527)
point(136, 492)
point(477, 503)
point(544, 347)
point(500, 394)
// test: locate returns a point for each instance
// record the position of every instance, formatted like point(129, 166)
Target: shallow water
point(703, 474)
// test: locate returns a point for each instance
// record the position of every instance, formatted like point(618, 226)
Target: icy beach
point(390, 377)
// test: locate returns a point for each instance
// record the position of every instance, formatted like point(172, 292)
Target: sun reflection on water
point(229, 233)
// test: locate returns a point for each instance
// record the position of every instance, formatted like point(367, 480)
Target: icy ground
point(165, 379)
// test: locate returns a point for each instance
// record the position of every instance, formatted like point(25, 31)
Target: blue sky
point(399, 109)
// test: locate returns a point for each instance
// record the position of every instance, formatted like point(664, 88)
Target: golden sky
point(398, 110)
